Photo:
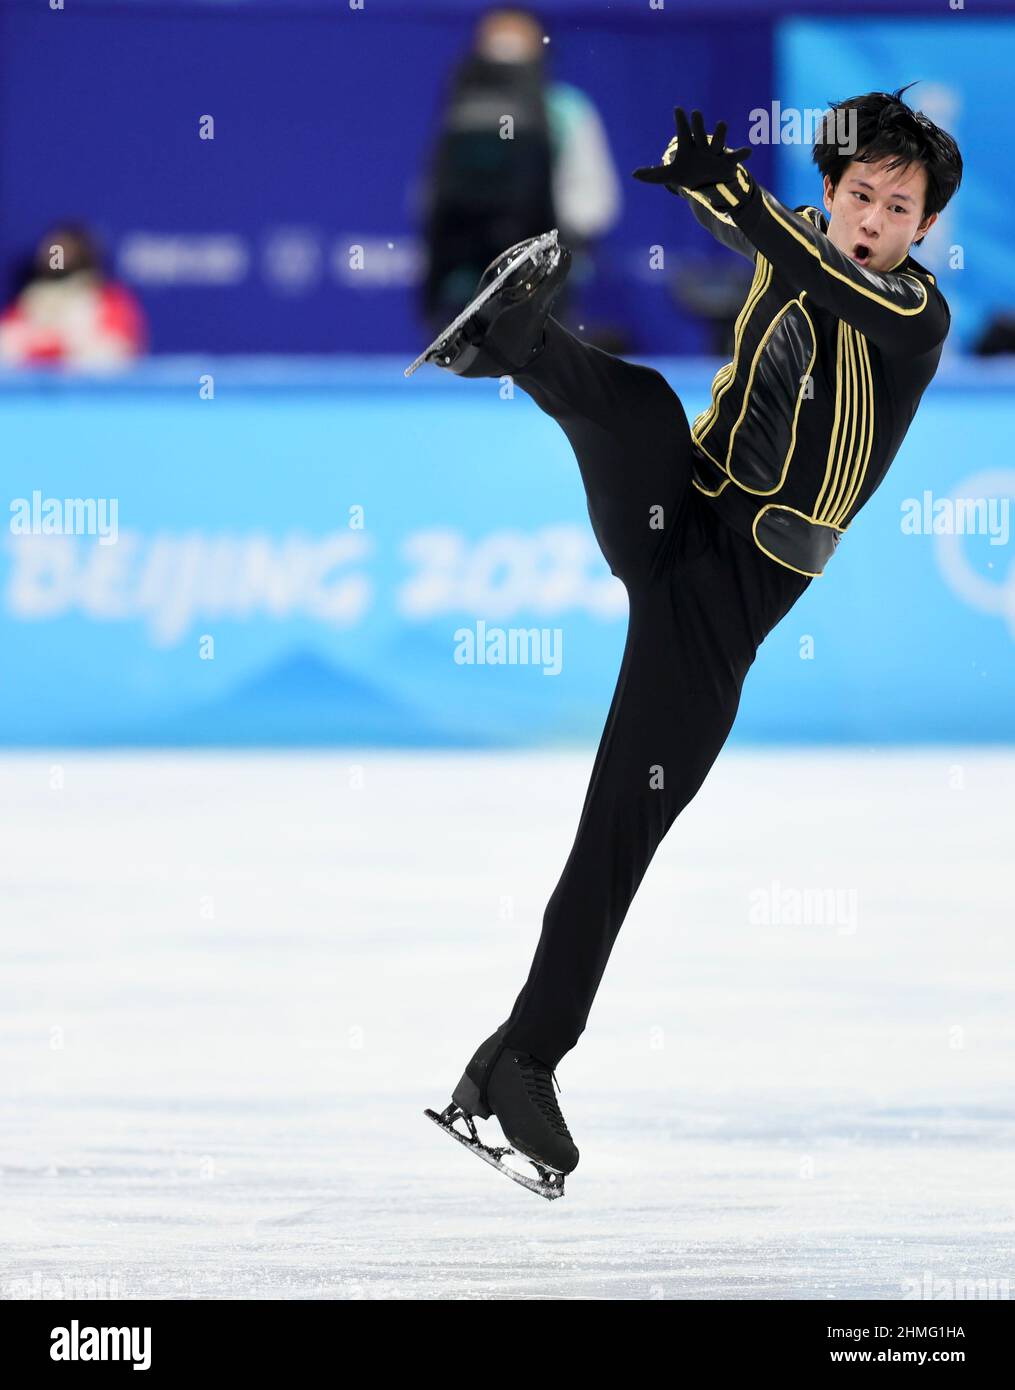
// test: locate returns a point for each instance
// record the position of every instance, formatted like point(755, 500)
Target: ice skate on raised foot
point(501, 329)
point(518, 1089)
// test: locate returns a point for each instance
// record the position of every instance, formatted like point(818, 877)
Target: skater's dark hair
point(886, 128)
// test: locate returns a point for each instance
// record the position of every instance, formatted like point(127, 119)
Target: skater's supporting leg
point(691, 639)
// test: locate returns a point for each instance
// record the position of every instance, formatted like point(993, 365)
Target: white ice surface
point(231, 984)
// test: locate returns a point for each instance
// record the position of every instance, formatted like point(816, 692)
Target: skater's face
point(876, 213)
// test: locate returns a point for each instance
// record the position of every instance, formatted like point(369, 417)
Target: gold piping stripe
point(765, 492)
point(861, 475)
point(700, 198)
point(720, 379)
point(724, 484)
point(763, 273)
point(860, 472)
point(836, 422)
point(703, 422)
point(851, 413)
point(854, 407)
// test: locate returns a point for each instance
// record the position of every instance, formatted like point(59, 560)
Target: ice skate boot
point(501, 330)
point(518, 1089)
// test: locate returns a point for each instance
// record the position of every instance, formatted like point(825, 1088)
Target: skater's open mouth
point(861, 253)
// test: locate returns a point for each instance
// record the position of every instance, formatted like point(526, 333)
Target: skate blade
point(548, 239)
point(549, 1184)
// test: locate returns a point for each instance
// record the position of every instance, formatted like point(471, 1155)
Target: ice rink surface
point(231, 984)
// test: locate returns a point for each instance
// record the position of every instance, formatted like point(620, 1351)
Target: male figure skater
point(715, 528)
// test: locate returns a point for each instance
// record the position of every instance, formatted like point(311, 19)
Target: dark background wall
point(324, 118)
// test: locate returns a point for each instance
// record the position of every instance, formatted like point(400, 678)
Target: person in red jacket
point(67, 312)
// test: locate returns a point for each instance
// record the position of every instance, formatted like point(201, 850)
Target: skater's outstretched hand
point(691, 160)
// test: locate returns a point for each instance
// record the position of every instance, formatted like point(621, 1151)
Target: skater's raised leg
point(624, 422)
point(631, 439)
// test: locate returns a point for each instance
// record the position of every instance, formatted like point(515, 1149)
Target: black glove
point(693, 161)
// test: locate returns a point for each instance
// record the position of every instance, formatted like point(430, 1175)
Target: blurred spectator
point(494, 184)
point(67, 312)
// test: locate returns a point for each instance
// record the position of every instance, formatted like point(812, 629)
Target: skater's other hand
point(692, 159)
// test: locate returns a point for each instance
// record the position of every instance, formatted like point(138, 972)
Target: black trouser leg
point(662, 735)
point(631, 438)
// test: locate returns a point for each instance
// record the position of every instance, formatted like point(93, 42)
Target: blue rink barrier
point(280, 553)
